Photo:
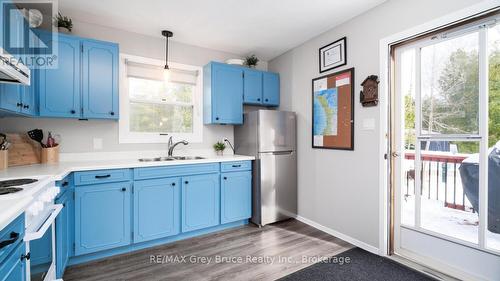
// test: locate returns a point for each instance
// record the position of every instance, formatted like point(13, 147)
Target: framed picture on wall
point(333, 55)
point(333, 111)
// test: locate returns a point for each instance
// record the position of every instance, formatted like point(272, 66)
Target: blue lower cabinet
point(14, 267)
point(200, 201)
point(156, 208)
point(236, 196)
point(102, 217)
point(64, 232)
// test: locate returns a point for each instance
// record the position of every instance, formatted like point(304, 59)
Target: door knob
point(395, 154)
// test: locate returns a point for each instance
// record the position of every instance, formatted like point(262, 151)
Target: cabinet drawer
point(102, 176)
point(236, 166)
point(173, 171)
point(11, 236)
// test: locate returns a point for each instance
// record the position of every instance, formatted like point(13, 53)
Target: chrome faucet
point(172, 145)
point(226, 140)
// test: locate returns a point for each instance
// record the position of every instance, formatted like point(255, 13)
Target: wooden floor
point(280, 247)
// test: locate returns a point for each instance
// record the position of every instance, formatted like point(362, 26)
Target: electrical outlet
point(97, 143)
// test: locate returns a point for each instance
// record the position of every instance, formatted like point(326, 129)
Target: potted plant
point(64, 23)
point(219, 148)
point(251, 61)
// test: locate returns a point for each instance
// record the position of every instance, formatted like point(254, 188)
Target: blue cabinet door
point(156, 208)
point(100, 80)
point(59, 87)
point(236, 196)
point(10, 97)
point(227, 94)
point(252, 86)
point(102, 217)
point(271, 88)
point(28, 96)
point(14, 268)
point(200, 201)
point(64, 232)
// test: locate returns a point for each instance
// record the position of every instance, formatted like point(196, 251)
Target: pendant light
point(166, 69)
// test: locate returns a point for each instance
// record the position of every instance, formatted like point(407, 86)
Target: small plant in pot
point(64, 24)
point(219, 148)
point(251, 61)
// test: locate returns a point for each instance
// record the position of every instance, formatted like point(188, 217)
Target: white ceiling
point(267, 28)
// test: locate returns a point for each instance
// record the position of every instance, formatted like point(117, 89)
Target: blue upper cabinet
point(59, 88)
point(223, 94)
point(252, 81)
point(227, 87)
point(100, 80)
point(200, 201)
point(102, 217)
point(271, 89)
point(156, 208)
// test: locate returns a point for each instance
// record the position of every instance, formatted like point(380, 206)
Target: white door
point(446, 126)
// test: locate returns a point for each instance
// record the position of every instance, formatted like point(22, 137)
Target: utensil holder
point(4, 159)
point(50, 155)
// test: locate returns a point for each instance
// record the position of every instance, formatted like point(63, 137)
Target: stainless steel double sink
point(172, 158)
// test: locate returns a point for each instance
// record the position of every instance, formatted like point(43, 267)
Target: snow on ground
point(447, 221)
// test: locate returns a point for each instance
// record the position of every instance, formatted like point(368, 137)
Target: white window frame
point(126, 136)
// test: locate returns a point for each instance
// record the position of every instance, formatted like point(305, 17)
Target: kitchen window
point(152, 110)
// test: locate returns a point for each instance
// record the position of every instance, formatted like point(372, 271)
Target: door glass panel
point(408, 162)
point(450, 86)
point(493, 229)
point(450, 181)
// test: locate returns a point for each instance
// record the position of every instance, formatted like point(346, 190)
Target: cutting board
point(23, 151)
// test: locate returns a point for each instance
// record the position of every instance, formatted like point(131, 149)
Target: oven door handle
point(56, 209)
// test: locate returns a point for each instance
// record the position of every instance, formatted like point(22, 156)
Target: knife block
point(50, 155)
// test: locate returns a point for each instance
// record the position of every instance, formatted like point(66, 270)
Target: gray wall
point(340, 189)
point(77, 136)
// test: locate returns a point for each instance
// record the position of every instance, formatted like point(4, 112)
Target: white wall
point(77, 136)
point(340, 189)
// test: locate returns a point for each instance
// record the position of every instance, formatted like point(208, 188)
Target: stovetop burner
point(16, 182)
point(8, 190)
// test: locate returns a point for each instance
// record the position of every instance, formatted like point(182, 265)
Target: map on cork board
point(333, 111)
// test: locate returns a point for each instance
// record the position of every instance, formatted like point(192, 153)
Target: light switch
point(368, 124)
point(97, 143)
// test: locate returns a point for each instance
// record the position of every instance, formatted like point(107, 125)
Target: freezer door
point(276, 131)
point(278, 186)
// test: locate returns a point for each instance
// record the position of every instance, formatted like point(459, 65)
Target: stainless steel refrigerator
point(270, 136)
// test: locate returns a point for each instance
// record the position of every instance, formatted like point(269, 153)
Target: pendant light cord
point(166, 55)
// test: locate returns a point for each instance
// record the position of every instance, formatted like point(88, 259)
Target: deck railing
point(440, 178)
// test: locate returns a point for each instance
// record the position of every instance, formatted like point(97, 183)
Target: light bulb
point(166, 74)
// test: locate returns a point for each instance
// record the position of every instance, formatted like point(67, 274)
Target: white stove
point(40, 215)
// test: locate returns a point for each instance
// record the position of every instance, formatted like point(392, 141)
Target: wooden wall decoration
point(369, 95)
point(333, 111)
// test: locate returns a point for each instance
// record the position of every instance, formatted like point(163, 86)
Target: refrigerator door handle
point(287, 152)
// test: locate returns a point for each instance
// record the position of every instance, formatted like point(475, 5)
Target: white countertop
point(11, 208)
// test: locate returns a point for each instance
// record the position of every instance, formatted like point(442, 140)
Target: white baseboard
point(347, 238)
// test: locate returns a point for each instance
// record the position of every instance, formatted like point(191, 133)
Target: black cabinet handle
point(124, 189)
point(173, 184)
point(237, 166)
point(64, 184)
point(73, 111)
point(27, 256)
point(13, 238)
point(26, 106)
point(102, 176)
point(225, 178)
point(112, 113)
point(216, 118)
point(267, 99)
point(186, 182)
point(19, 104)
point(258, 99)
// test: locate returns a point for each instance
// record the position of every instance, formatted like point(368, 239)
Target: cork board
point(333, 111)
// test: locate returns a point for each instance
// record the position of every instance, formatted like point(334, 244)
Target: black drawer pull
point(124, 189)
point(13, 238)
point(73, 111)
point(237, 166)
point(186, 182)
point(102, 176)
point(225, 178)
point(27, 256)
point(267, 99)
point(173, 184)
point(258, 99)
point(64, 184)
